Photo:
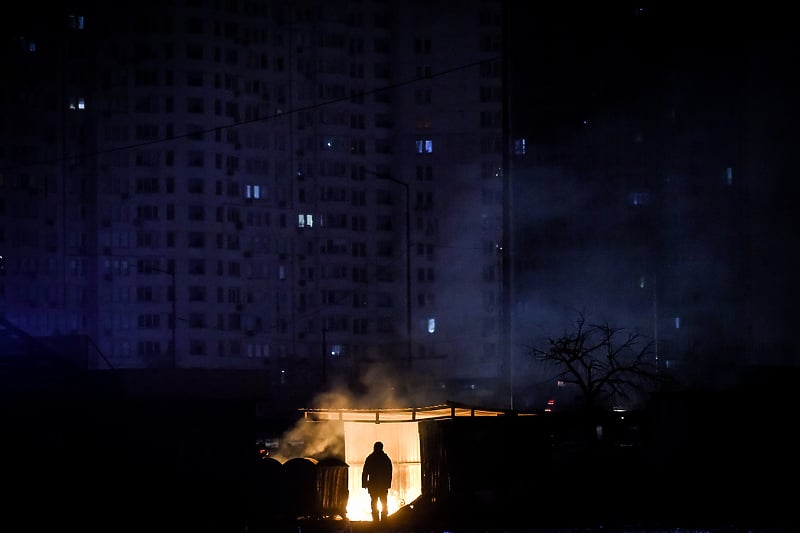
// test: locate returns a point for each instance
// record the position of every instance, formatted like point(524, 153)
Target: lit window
point(424, 146)
point(677, 322)
point(305, 221)
point(77, 103)
point(329, 143)
point(252, 191)
point(729, 175)
point(520, 147)
point(76, 22)
point(639, 198)
point(431, 325)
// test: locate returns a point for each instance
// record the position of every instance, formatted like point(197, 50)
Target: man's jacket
point(377, 473)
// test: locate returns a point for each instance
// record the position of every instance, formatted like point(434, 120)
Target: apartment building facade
point(310, 188)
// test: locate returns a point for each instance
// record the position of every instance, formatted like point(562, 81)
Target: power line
point(279, 114)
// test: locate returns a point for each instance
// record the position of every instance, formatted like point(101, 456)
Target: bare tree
point(605, 363)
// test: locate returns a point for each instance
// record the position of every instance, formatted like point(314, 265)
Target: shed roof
point(405, 414)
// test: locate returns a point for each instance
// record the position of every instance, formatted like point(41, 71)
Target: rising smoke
point(379, 388)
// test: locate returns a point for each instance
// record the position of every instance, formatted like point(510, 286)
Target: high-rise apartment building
point(309, 188)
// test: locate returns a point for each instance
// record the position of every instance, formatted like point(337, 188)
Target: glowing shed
point(417, 440)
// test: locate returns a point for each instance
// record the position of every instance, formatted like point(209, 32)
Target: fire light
point(401, 443)
point(398, 429)
point(358, 509)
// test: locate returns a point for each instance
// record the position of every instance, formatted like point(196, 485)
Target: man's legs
point(373, 502)
point(384, 505)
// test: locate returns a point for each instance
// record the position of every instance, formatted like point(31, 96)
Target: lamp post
point(324, 355)
point(174, 319)
point(655, 322)
point(643, 284)
point(387, 176)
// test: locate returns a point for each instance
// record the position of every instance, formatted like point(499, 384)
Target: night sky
point(572, 59)
point(696, 86)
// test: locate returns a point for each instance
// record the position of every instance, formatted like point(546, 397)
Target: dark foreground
point(615, 500)
point(139, 509)
point(717, 463)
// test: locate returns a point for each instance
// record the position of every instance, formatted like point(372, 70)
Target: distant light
point(76, 22)
point(677, 322)
point(431, 325)
point(639, 198)
point(585, 122)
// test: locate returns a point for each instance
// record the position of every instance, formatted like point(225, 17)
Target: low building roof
point(405, 414)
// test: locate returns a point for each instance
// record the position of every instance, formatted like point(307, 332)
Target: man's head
point(378, 446)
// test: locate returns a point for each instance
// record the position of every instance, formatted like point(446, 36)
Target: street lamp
point(655, 322)
point(642, 284)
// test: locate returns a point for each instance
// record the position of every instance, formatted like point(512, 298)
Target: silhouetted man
point(377, 478)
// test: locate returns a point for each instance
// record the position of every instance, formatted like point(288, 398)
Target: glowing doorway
point(401, 443)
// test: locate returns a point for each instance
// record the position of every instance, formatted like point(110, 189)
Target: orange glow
point(398, 429)
point(401, 443)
